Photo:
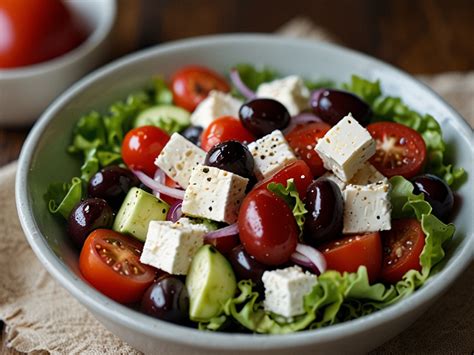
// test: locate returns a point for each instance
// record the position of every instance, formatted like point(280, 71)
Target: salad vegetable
point(278, 205)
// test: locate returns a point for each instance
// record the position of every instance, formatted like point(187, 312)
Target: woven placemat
point(40, 317)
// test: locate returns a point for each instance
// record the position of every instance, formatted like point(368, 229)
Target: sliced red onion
point(302, 260)
point(156, 186)
point(233, 229)
point(160, 178)
point(302, 118)
point(239, 85)
point(175, 212)
point(313, 255)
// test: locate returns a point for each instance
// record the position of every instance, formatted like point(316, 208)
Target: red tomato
point(400, 149)
point(402, 246)
point(141, 146)
point(173, 184)
point(192, 84)
point(111, 263)
point(223, 129)
point(298, 170)
point(303, 139)
point(348, 253)
point(33, 31)
point(267, 228)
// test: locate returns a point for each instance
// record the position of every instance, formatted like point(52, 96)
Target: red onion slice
point(302, 260)
point(302, 118)
point(156, 186)
point(311, 254)
point(160, 178)
point(175, 212)
point(239, 85)
point(233, 229)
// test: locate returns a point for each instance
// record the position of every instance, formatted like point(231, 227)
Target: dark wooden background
point(420, 36)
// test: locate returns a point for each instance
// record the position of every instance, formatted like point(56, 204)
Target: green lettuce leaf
point(253, 76)
point(339, 297)
point(320, 84)
point(388, 108)
point(292, 198)
point(162, 94)
point(62, 197)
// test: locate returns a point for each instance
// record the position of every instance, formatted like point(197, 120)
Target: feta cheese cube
point(285, 290)
point(290, 91)
point(215, 105)
point(366, 208)
point(366, 175)
point(214, 194)
point(270, 153)
point(330, 176)
point(345, 148)
point(178, 159)
point(171, 246)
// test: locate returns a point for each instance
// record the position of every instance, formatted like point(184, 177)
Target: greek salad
point(257, 202)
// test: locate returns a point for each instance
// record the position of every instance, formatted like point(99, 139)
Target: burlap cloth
point(41, 317)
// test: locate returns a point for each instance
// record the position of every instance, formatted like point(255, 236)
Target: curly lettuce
point(62, 197)
point(339, 297)
point(388, 108)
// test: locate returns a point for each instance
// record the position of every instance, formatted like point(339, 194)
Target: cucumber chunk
point(136, 212)
point(167, 117)
point(210, 283)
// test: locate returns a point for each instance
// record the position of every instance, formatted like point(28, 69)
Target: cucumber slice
point(167, 117)
point(136, 212)
point(210, 283)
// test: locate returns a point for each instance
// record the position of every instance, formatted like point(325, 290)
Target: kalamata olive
point(167, 299)
point(437, 194)
point(231, 156)
point(245, 266)
point(332, 105)
point(263, 116)
point(87, 215)
point(193, 134)
point(112, 184)
point(325, 205)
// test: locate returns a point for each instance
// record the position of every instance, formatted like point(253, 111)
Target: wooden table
point(425, 36)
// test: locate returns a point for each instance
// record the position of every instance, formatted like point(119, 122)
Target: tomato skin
point(349, 252)
point(407, 236)
point(223, 129)
point(303, 138)
point(192, 84)
point(33, 31)
point(118, 286)
point(141, 146)
point(400, 149)
point(298, 171)
point(267, 228)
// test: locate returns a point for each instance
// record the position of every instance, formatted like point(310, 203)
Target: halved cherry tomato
point(348, 253)
point(298, 171)
point(402, 246)
point(303, 139)
point(33, 31)
point(192, 84)
point(110, 261)
point(267, 228)
point(141, 146)
point(400, 149)
point(223, 129)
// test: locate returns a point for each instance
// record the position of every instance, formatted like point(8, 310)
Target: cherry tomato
point(141, 146)
point(348, 253)
point(402, 246)
point(33, 31)
point(267, 228)
point(173, 184)
point(297, 170)
point(223, 129)
point(303, 139)
point(400, 149)
point(192, 84)
point(110, 261)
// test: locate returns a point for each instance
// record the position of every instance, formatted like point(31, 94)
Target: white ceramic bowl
point(26, 92)
point(44, 151)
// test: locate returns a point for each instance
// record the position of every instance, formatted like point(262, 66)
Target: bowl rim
point(131, 319)
point(94, 39)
